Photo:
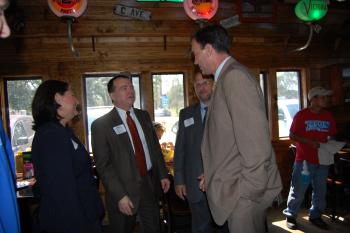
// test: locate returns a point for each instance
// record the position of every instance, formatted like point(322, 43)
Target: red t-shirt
point(312, 125)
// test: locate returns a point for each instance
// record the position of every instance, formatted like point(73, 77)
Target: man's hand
point(313, 143)
point(201, 182)
point(308, 141)
point(181, 191)
point(32, 182)
point(165, 184)
point(125, 206)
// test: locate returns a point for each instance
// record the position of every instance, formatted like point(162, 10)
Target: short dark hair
point(110, 86)
point(216, 36)
point(44, 105)
point(158, 126)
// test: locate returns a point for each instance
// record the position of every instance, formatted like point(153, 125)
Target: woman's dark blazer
point(69, 200)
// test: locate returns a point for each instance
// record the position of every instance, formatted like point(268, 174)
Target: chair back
point(179, 213)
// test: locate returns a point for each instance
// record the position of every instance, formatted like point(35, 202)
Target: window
point(19, 97)
point(288, 92)
point(168, 98)
point(97, 99)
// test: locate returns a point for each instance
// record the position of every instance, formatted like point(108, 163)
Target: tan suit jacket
point(115, 159)
point(238, 158)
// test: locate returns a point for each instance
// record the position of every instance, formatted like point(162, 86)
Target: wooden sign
point(262, 11)
point(132, 12)
point(230, 22)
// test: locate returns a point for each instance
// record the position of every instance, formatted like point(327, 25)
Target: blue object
point(9, 218)
point(305, 174)
point(165, 101)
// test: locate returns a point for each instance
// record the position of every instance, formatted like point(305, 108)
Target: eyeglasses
point(203, 83)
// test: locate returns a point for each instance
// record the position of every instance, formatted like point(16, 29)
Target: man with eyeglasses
point(187, 158)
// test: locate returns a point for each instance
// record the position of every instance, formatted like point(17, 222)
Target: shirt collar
point(122, 112)
point(218, 70)
point(202, 105)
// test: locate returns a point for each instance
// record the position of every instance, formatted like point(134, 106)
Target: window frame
point(184, 84)
point(170, 73)
point(300, 96)
point(7, 123)
point(84, 97)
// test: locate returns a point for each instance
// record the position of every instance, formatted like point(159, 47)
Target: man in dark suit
point(129, 161)
point(187, 159)
point(240, 171)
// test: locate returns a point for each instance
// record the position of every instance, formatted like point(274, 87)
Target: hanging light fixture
point(68, 10)
point(201, 10)
point(311, 10)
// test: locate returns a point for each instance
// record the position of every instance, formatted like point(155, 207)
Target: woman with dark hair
point(160, 129)
point(69, 201)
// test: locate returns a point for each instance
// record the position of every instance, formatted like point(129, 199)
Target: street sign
point(132, 12)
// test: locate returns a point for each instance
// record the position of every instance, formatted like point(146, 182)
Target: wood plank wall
point(107, 42)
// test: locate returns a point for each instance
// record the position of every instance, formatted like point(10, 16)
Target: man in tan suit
point(129, 161)
point(240, 172)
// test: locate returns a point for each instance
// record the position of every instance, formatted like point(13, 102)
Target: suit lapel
point(198, 118)
point(148, 132)
point(225, 69)
point(223, 72)
point(143, 122)
point(124, 137)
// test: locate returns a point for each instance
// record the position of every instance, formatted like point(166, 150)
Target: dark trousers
point(202, 221)
point(147, 213)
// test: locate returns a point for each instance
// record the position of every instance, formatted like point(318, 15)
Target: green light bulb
point(311, 10)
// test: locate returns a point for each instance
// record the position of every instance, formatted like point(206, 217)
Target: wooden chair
point(338, 183)
point(177, 211)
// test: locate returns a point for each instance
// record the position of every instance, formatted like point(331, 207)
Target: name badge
point(188, 122)
point(75, 145)
point(119, 129)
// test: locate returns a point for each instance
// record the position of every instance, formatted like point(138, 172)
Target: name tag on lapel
point(75, 145)
point(119, 129)
point(189, 122)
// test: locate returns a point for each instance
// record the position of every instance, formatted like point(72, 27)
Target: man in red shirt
point(311, 126)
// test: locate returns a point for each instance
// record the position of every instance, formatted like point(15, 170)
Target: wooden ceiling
point(100, 34)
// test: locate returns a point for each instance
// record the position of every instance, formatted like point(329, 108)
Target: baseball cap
point(318, 91)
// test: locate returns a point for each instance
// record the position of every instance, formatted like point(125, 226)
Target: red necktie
point(139, 152)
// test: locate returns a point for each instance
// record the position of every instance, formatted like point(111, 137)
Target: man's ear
point(58, 98)
point(208, 49)
point(111, 97)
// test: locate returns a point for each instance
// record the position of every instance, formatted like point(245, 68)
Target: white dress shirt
point(122, 114)
point(218, 70)
point(203, 106)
